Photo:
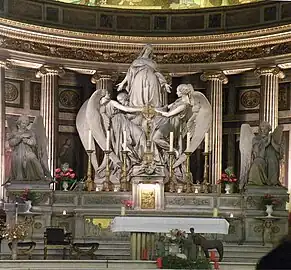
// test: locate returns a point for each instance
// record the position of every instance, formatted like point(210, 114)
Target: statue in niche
point(29, 156)
point(145, 84)
point(147, 120)
point(260, 155)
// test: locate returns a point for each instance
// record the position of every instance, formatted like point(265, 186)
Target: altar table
point(145, 229)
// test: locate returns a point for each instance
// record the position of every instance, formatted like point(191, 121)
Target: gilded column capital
point(214, 75)
point(50, 70)
point(109, 75)
point(275, 71)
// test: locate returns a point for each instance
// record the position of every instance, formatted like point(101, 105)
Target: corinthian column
point(215, 80)
point(104, 80)
point(2, 127)
point(49, 109)
point(269, 94)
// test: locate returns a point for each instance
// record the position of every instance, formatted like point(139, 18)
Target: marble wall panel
point(14, 91)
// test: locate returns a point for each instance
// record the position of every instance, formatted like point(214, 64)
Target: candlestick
point(188, 141)
point(107, 183)
point(171, 141)
point(122, 212)
point(107, 140)
point(215, 212)
point(206, 142)
point(89, 183)
point(123, 179)
point(124, 140)
point(90, 140)
point(172, 180)
point(205, 183)
point(188, 185)
point(16, 213)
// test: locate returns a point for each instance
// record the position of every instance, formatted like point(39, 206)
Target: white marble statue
point(260, 155)
point(29, 156)
point(144, 83)
point(143, 116)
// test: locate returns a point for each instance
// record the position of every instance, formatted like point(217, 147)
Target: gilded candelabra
point(89, 183)
point(172, 180)
point(205, 183)
point(188, 185)
point(107, 183)
point(123, 180)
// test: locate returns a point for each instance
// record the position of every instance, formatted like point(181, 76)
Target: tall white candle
point(124, 140)
point(171, 141)
point(90, 140)
point(107, 140)
point(206, 142)
point(188, 141)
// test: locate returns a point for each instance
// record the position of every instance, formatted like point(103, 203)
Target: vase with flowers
point(174, 239)
point(28, 197)
point(228, 178)
point(65, 176)
point(269, 201)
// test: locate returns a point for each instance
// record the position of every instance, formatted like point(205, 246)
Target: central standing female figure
point(145, 85)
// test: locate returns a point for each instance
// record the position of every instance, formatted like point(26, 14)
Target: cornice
point(104, 42)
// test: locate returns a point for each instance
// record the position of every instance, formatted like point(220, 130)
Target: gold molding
point(132, 44)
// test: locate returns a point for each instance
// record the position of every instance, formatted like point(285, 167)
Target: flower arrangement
point(28, 195)
point(128, 204)
point(228, 176)
point(16, 232)
point(65, 175)
point(176, 236)
point(269, 199)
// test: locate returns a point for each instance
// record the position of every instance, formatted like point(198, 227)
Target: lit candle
point(215, 212)
point(171, 141)
point(97, 189)
point(179, 190)
point(16, 212)
point(64, 212)
point(115, 189)
point(206, 142)
point(124, 140)
point(231, 215)
point(122, 213)
point(196, 190)
point(188, 141)
point(107, 140)
point(90, 140)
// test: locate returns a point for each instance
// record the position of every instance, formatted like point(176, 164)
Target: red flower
point(58, 170)
point(61, 174)
point(57, 176)
point(72, 175)
point(224, 175)
point(70, 170)
point(67, 174)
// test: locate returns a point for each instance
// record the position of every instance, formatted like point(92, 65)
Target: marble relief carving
point(35, 95)
point(162, 58)
point(14, 93)
point(69, 99)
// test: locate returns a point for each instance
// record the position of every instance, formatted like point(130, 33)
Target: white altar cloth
point(165, 224)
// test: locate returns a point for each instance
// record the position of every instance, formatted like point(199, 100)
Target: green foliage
point(174, 262)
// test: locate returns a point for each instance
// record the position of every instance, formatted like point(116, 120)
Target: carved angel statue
point(145, 85)
point(100, 114)
point(190, 113)
point(260, 155)
point(29, 156)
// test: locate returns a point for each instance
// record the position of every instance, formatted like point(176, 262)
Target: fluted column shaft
point(215, 80)
point(49, 109)
point(269, 94)
point(2, 127)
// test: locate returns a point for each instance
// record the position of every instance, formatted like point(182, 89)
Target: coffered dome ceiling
point(158, 4)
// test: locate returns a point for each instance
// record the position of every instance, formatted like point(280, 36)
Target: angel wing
point(97, 124)
point(41, 143)
point(83, 130)
point(198, 123)
point(278, 135)
point(245, 147)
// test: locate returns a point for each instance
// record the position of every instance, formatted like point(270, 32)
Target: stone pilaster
point(269, 94)
point(215, 81)
point(104, 80)
point(49, 109)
